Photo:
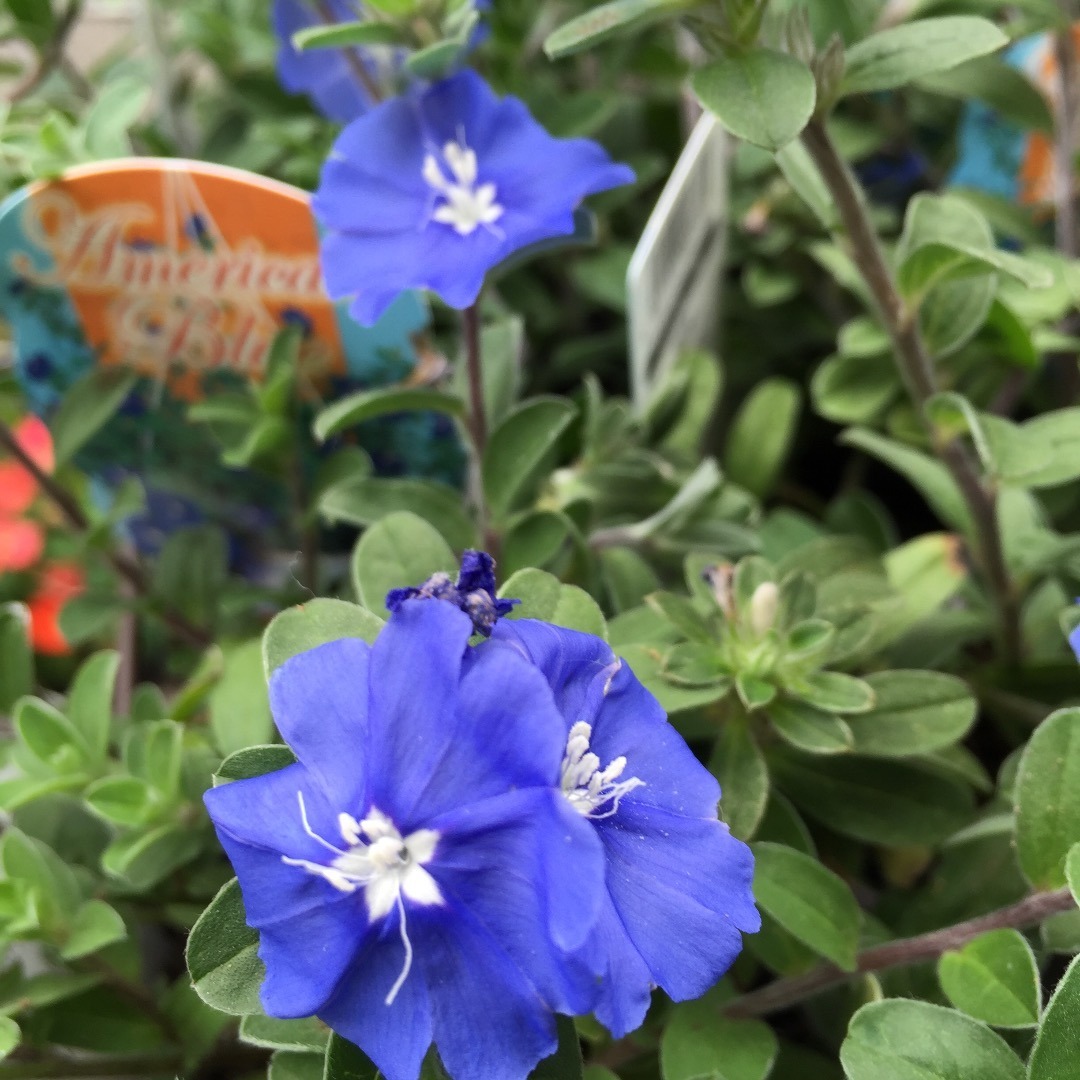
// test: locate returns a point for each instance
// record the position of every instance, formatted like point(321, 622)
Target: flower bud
point(763, 607)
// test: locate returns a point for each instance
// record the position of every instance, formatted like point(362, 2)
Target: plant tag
point(675, 275)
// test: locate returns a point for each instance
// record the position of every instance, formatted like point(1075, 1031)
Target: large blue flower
point(323, 74)
point(678, 894)
point(433, 189)
point(414, 878)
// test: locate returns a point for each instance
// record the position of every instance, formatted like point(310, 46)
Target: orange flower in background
point(59, 583)
point(22, 540)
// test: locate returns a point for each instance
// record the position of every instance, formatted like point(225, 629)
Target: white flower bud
point(763, 607)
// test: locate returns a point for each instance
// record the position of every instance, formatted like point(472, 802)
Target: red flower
point(21, 539)
point(59, 583)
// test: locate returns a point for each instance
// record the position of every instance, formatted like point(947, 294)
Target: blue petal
point(490, 1023)
point(415, 670)
point(462, 103)
point(506, 732)
point(532, 870)
point(386, 144)
point(320, 701)
point(351, 200)
point(625, 982)
point(682, 890)
point(394, 1036)
point(1074, 641)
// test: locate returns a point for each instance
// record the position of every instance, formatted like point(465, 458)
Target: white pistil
point(384, 864)
point(466, 205)
point(585, 784)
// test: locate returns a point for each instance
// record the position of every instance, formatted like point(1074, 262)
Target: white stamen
point(585, 784)
point(385, 865)
point(466, 206)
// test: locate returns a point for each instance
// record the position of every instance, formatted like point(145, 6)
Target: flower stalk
point(916, 370)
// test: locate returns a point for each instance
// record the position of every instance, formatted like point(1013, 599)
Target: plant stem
point(915, 950)
point(124, 565)
point(917, 372)
point(470, 325)
point(109, 1067)
point(352, 57)
point(51, 56)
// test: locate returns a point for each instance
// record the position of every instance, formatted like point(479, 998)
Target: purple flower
point(473, 592)
point(678, 894)
point(323, 74)
point(414, 878)
point(434, 189)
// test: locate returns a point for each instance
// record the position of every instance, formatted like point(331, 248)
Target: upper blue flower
point(473, 592)
point(323, 74)
point(414, 877)
point(433, 189)
point(678, 883)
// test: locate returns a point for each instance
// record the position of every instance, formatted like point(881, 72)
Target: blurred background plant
point(842, 549)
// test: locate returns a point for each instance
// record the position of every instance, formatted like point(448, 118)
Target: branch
point(51, 55)
point(352, 57)
point(124, 565)
point(917, 372)
point(915, 950)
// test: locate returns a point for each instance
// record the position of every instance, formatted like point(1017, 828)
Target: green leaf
point(544, 597)
point(753, 692)
point(254, 761)
point(701, 1044)
point(86, 408)
point(344, 35)
point(762, 96)
point(96, 925)
point(1048, 799)
point(118, 106)
point(144, 859)
point(290, 1065)
point(938, 261)
point(300, 1035)
point(915, 712)
point(518, 445)
point(153, 752)
point(344, 1061)
point(26, 859)
point(809, 901)
point(854, 389)
point(761, 435)
point(16, 656)
point(1072, 871)
point(315, 623)
point(368, 404)
point(239, 703)
point(364, 500)
point(222, 956)
point(994, 979)
point(927, 475)
point(398, 551)
point(832, 691)
point(901, 54)
point(90, 702)
point(810, 729)
point(9, 1036)
point(49, 735)
point(913, 1040)
point(881, 802)
point(123, 800)
point(606, 21)
point(1057, 1046)
point(738, 764)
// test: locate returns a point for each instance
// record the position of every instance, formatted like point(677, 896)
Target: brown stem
point(917, 372)
point(51, 55)
point(352, 57)
point(124, 565)
point(915, 950)
point(108, 1067)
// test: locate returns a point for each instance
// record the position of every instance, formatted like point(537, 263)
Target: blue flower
point(414, 878)
point(434, 189)
point(473, 592)
point(323, 74)
point(1074, 639)
point(678, 883)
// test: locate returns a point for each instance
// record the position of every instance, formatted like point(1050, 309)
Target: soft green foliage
point(864, 640)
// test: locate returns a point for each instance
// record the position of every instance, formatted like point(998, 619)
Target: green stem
point(917, 372)
point(352, 57)
point(108, 1067)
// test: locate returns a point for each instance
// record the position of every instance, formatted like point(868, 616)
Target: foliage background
point(881, 679)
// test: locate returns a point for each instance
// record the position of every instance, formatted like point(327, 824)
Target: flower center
point(380, 861)
point(465, 204)
point(585, 784)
